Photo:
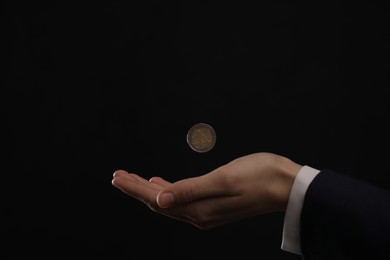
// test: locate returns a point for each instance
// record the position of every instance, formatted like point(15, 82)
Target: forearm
point(344, 216)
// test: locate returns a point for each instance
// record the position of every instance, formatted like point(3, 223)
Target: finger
point(143, 191)
point(160, 181)
point(134, 177)
point(127, 175)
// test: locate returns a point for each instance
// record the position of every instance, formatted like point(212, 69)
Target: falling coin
point(201, 137)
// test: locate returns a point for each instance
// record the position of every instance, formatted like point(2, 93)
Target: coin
point(201, 137)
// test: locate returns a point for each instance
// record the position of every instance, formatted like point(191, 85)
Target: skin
point(251, 185)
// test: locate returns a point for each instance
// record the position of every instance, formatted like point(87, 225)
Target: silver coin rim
point(214, 137)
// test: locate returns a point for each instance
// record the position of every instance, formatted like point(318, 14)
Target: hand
point(251, 185)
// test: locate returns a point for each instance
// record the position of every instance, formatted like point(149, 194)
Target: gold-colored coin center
point(201, 137)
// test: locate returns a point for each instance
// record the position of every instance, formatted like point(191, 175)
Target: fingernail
point(165, 199)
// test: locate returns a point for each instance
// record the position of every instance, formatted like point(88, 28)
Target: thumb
point(188, 190)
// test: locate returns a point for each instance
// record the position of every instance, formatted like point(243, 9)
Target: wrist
point(287, 171)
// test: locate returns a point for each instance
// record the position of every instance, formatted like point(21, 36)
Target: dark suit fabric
point(345, 218)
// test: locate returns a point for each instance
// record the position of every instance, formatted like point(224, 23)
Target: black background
point(92, 88)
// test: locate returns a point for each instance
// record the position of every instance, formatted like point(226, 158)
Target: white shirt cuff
point(291, 241)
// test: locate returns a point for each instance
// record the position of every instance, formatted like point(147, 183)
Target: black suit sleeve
point(345, 218)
